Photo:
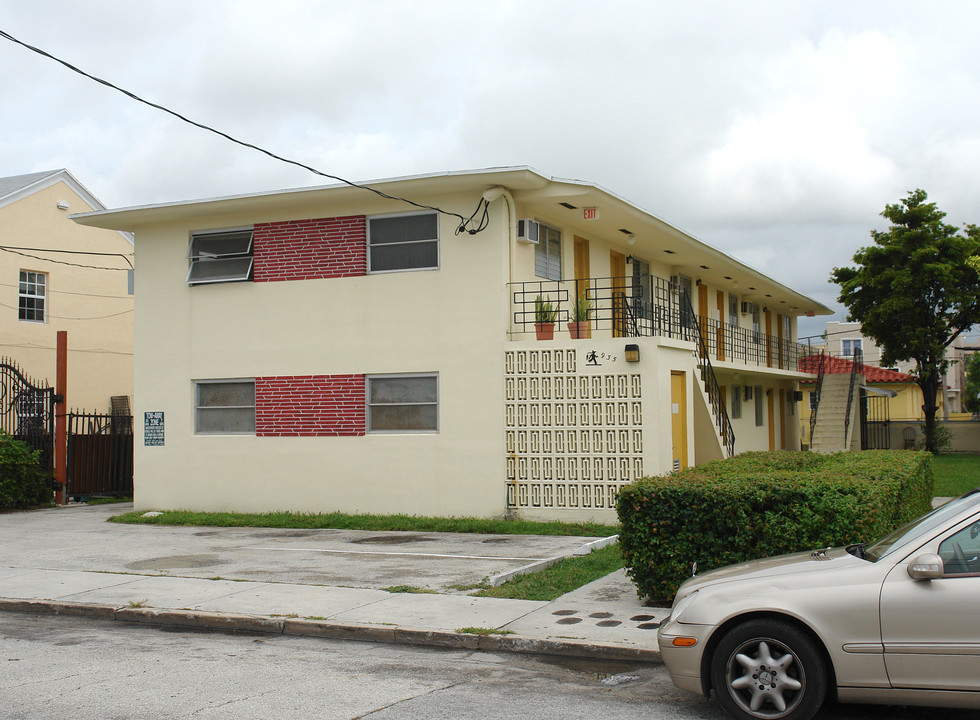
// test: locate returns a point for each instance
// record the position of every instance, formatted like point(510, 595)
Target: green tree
point(971, 395)
point(914, 291)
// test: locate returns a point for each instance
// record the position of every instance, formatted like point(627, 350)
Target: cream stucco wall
point(451, 321)
point(457, 321)
point(93, 305)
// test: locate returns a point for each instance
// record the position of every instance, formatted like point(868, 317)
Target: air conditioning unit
point(528, 231)
point(749, 308)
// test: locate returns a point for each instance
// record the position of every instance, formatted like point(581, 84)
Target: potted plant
point(545, 315)
point(580, 326)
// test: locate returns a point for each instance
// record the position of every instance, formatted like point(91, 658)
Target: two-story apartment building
point(335, 349)
point(61, 276)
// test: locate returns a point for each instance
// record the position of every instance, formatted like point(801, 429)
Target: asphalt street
point(53, 667)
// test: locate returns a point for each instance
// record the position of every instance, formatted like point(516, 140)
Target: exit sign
point(590, 213)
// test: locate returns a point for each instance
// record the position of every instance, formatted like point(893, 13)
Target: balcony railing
point(652, 307)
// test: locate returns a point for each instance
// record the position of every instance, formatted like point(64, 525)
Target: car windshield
point(920, 526)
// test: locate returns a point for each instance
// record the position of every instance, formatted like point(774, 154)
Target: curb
point(394, 634)
point(537, 566)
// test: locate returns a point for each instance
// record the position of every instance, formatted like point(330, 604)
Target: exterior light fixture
point(632, 353)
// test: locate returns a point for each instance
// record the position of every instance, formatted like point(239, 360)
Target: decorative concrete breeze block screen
point(573, 439)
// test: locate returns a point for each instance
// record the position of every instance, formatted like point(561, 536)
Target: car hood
point(817, 561)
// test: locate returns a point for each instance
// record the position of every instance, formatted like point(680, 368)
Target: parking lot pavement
point(78, 538)
point(328, 583)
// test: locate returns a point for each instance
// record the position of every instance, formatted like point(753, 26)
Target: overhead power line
point(463, 222)
point(16, 250)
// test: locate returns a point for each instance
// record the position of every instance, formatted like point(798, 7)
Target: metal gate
point(100, 454)
point(27, 411)
point(874, 421)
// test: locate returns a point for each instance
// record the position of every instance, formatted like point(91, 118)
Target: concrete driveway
point(79, 538)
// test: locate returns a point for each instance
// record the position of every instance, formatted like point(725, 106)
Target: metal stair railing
point(856, 359)
point(821, 370)
point(708, 377)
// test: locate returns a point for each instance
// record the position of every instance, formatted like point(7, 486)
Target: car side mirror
point(926, 567)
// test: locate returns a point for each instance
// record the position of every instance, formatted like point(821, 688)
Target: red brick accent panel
point(307, 249)
point(309, 405)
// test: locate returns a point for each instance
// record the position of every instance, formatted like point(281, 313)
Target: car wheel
point(768, 670)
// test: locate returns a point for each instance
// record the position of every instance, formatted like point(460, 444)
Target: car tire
point(768, 670)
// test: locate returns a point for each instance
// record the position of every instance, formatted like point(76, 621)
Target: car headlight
point(682, 605)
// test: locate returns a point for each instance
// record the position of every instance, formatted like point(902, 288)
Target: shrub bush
point(22, 482)
point(764, 503)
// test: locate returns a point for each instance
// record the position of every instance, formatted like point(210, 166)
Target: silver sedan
point(896, 622)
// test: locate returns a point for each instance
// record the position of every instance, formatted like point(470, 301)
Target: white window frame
point(28, 279)
point(197, 258)
point(849, 345)
point(198, 408)
point(542, 251)
point(401, 376)
point(736, 402)
point(436, 240)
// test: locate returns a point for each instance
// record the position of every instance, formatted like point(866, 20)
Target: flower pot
point(582, 329)
point(544, 330)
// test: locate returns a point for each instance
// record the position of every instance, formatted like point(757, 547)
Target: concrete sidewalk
point(165, 576)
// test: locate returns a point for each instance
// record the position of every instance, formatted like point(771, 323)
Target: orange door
point(720, 299)
point(617, 268)
point(582, 275)
point(782, 419)
point(703, 313)
point(772, 421)
point(768, 338)
point(779, 335)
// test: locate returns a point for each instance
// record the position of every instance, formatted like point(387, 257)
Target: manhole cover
point(601, 615)
point(563, 612)
point(641, 618)
point(569, 621)
point(609, 623)
point(648, 626)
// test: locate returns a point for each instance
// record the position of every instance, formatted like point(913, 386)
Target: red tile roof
point(842, 366)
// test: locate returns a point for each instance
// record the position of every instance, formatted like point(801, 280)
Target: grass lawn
point(411, 523)
point(955, 474)
point(565, 576)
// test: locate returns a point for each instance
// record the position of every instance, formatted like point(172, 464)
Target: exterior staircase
point(831, 424)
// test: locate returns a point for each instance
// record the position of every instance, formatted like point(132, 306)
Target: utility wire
point(71, 252)
point(59, 262)
point(463, 222)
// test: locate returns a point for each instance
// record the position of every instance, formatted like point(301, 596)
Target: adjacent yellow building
point(345, 349)
point(59, 275)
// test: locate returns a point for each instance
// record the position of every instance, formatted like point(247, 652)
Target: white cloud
point(766, 128)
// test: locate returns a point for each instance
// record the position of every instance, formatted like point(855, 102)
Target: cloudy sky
point(775, 131)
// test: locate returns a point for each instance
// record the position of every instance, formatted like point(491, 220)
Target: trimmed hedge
point(22, 482)
point(764, 503)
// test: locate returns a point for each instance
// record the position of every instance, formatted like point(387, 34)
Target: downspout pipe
point(491, 195)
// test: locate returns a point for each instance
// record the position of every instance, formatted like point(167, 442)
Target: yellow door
point(678, 419)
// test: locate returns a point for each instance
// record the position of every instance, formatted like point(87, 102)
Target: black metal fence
point(27, 411)
point(100, 454)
